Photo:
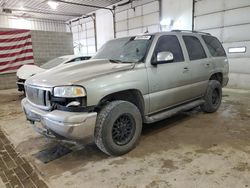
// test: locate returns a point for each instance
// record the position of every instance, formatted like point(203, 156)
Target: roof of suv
point(171, 32)
point(178, 31)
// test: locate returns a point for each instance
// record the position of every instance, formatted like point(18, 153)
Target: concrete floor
point(189, 150)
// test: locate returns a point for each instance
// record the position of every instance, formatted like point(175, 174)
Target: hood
point(27, 71)
point(77, 73)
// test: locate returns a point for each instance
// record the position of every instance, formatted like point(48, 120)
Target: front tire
point(118, 128)
point(212, 97)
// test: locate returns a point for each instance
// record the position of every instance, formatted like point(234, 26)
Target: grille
point(38, 96)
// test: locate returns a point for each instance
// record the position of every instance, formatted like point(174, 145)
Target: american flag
point(15, 50)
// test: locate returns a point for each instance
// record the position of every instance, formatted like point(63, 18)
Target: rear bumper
point(69, 125)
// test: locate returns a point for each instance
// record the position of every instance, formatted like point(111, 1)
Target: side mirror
point(164, 57)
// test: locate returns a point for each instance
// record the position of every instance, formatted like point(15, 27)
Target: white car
point(27, 71)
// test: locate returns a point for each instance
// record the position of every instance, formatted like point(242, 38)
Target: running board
point(168, 113)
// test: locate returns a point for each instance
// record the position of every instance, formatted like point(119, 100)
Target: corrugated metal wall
point(142, 16)
point(229, 20)
point(32, 24)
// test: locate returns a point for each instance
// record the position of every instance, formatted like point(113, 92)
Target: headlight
point(69, 91)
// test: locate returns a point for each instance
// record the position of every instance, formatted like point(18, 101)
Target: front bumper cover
point(70, 125)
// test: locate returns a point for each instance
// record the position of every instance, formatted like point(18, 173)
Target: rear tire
point(212, 97)
point(118, 128)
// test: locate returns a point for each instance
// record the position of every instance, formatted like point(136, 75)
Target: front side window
point(194, 48)
point(169, 43)
point(214, 46)
point(125, 50)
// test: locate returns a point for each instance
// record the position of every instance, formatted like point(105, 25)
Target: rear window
point(214, 46)
point(194, 48)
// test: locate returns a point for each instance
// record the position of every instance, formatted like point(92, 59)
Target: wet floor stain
point(241, 166)
point(168, 164)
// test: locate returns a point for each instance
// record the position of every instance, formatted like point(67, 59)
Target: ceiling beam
point(41, 12)
point(83, 4)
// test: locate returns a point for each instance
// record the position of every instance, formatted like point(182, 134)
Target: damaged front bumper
point(69, 125)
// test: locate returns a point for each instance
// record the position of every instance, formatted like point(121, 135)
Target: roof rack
point(191, 31)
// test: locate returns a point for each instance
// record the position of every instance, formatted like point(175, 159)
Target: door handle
point(185, 69)
point(207, 65)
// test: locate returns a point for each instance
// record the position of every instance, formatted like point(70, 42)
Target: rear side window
point(194, 48)
point(169, 43)
point(214, 46)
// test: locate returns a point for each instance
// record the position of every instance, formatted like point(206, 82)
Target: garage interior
point(190, 149)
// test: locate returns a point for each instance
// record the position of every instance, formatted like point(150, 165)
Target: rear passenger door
point(218, 55)
point(200, 65)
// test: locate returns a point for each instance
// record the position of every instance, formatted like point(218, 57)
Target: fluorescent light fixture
point(242, 49)
point(53, 4)
point(166, 22)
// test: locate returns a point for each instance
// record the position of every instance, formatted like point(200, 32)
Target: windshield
point(129, 49)
point(54, 62)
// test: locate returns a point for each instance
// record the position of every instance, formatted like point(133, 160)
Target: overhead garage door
point(229, 20)
point(137, 18)
point(84, 37)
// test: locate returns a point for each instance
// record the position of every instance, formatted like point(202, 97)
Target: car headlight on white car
point(69, 91)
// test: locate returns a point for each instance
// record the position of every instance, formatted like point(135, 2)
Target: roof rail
point(190, 31)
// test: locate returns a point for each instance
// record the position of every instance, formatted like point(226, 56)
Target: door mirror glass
point(165, 57)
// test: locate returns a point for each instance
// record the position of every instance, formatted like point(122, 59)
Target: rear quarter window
point(214, 46)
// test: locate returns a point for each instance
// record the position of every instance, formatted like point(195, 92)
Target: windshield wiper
point(119, 61)
point(115, 61)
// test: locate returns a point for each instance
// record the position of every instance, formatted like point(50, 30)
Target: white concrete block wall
point(48, 45)
point(150, 8)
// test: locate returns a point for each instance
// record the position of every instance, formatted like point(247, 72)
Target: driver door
point(168, 82)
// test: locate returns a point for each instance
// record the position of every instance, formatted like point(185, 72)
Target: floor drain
point(51, 154)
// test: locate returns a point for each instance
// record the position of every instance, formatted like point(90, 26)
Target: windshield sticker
point(142, 37)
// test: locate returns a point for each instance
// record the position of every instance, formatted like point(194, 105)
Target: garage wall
point(46, 45)
point(32, 24)
point(137, 18)
point(83, 36)
point(229, 20)
point(179, 12)
point(131, 19)
point(104, 26)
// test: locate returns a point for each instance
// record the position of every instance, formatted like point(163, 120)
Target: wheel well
point(217, 76)
point(134, 96)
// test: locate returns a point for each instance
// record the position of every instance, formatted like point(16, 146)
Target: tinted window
point(171, 44)
point(194, 48)
point(214, 46)
point(85, 57)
